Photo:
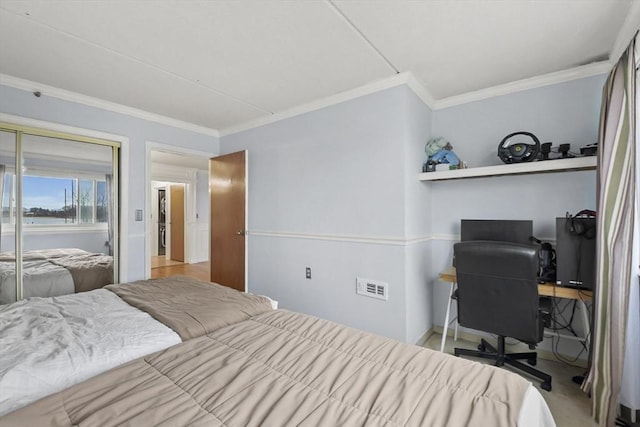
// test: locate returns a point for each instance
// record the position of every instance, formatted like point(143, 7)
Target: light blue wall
point(334, 178)
point(352, 170)
point(562, 113)
point(91, 241)
point(417, 213)
point(334, 171)
point(22, 103)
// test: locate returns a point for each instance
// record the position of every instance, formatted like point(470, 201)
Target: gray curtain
point(2, 169)
point(616, 212)
point(630, 392)
point(109, 182)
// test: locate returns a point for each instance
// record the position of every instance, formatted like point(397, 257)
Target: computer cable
point(556, 312)
point(555, 341)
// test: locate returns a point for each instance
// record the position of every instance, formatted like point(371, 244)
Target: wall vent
point(372, 288)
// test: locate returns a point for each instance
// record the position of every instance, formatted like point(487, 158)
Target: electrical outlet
point(308, 273)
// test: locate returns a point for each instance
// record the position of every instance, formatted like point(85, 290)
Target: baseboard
point(519, 347)
point(424, 338)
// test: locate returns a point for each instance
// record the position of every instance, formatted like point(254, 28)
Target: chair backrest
point(498, 288)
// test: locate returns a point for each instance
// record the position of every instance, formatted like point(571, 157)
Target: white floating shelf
point(558, 165)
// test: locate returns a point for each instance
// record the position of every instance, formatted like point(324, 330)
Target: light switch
point(138, 214)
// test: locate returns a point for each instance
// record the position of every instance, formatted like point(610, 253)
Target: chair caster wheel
point(546, 386)
point(532, 362)
point(481, 347)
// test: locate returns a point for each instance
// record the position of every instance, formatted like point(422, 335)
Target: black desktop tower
point(576, 253)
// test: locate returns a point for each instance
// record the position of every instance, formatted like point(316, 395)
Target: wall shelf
point(558, 165)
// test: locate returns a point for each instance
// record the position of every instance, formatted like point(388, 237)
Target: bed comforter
point(199, 307)
point(49, 344)
point(281, 368)
point(89, 271)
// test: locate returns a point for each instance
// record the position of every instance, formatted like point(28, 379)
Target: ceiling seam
point(353, 26)
point(133, 58)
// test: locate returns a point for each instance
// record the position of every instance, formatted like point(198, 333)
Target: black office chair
point(498, 293)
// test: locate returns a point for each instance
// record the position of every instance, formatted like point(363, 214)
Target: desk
point(544, 289)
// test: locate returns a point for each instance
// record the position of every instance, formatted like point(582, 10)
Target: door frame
point(165, 148)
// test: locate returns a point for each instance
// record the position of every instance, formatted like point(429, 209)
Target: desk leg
point(446, 318)
point(585, 322)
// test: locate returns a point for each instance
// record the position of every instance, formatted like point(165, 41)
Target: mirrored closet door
point(59, 204)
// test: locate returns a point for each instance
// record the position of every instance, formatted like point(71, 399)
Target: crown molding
point(525, 84)
point(30, 86)
point(627, 31)
point(376, 86)
point(423, 93)
point(406, 78)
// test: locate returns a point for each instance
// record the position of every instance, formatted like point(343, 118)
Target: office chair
point(498, 293)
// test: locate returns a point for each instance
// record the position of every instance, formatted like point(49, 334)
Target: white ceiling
point(219, 64)
point(162, 159)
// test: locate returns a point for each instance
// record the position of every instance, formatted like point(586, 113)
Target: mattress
point(282, 368)
point(49, 344)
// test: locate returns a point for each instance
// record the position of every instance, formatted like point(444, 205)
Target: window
point(56, 201)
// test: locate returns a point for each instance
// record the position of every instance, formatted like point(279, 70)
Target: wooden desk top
point(546, 289)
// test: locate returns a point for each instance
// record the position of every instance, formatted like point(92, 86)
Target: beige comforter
point(190, 307)
point(89, 271)
point(281, 368)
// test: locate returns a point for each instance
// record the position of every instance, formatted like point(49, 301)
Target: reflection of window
point(56, 201)
point(8, 202)
point(101, 201)
point(86, 200)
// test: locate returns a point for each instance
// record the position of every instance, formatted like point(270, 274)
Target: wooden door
point(228, 193)
point(176, 213)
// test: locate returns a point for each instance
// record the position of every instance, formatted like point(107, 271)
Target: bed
point(49, 344)
point(54, 272)
point(282, 368)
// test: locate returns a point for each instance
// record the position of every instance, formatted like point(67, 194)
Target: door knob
point(241, 232)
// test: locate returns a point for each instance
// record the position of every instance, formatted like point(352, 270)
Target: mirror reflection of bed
point(54, 272)
point(58, 215)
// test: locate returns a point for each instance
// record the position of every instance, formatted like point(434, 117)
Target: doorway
point(176, 237)
point(168, 223)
